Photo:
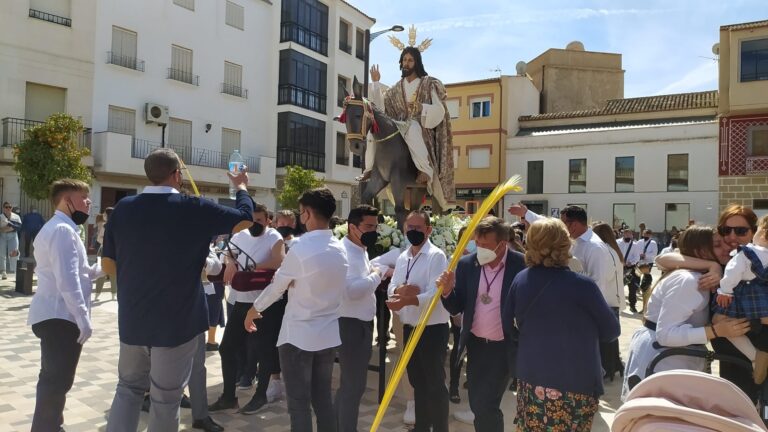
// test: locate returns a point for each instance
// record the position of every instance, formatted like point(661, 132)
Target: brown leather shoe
point(761, 367)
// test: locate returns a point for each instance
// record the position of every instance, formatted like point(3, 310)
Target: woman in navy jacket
point(562, 318)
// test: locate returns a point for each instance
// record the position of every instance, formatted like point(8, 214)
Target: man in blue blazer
point(478, 289)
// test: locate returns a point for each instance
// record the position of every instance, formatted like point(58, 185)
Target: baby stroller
point(691, 401)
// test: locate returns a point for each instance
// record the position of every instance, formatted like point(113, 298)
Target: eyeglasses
point(739, 231)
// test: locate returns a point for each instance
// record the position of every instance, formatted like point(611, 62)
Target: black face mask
point(78, 217)
point(285, 231)
point(416, 238)
point(627, 239)
point(256, 229)
point(369, 239)
point(646, 238)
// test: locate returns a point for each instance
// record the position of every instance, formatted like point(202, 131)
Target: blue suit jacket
point(464, 295)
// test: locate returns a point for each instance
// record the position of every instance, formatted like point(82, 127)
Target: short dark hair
point(59, 187)
point(424, 215)
point(492, 224)
point(321, 201)
point(357, 214)
point(416, 54)
point(574, 214)
point(160, 164)
point(260, 208)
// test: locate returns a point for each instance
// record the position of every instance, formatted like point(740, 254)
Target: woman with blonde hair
point(562, 318)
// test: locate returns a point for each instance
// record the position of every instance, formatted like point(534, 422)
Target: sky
point(666, 45)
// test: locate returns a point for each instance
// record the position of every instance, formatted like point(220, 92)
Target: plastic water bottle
point(236, 165)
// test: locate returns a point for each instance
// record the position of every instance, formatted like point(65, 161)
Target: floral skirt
point(541, 409)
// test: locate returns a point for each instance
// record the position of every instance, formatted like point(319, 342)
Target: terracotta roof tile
point(682, 101)
point(744, 26)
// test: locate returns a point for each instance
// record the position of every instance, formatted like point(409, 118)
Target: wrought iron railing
point(307, 159)
point(183, 76)
point(125, 61)
point(13, 132)
point(293, 32)
point(234, 90)
point(45, 16)
point(301, 97)
point(193, 155)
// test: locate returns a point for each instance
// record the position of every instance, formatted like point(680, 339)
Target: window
point(235, 15)
point(180, 137)
point(55, 11)
point(479, 157)
point(480, 108)
point(300, 141)
point(535, 177)
point(760, 204)
point(625, 174)
point(121, 120)
point(677, 172)
point(124, 49)
point(754, 60)
point(456, 158)
point(357, 161)
point(342, 151)
point(181, 65)
point(623, 216)
point(230, 141)
point(453, 107)
point(339, 209)
point(360, 44)
point(677, 216)
point(41, 101)
point(343, 87)
point(302, 81)
point(577, 176)
point(186, 4)
point(233, 80)
point(344, 43)
point(306, 23)
point(757, 141)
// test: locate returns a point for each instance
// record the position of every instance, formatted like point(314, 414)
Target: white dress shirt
point(213, 267)
point(359, 299)
point(649, 248)
point(634, 253)
point(425, 268)
point(259, 249)
point(315, 269)
point(63, 273)
point(739, 268)
point(679, 309)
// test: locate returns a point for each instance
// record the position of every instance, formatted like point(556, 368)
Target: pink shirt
point(487, 320)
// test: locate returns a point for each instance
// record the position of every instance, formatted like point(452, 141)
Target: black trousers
point(426, 373)
point(455, 363)
point(633, 286)
point(383, 314)
point(59, 354)
point(739, 376)
point(610, 355)
point(488, 377)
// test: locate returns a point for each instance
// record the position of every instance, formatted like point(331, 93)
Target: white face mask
point(484, 255)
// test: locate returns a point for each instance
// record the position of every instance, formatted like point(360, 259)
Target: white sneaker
point(274, 390)
point(466, 417)
point(409, 416)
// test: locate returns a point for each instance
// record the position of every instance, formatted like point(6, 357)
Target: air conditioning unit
point(156, 113)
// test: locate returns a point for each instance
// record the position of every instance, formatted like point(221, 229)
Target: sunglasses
point(739, 231)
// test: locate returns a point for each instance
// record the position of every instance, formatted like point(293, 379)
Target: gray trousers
point(198, 393)
point(354, 355)
point(307, 378)
point(165, 371)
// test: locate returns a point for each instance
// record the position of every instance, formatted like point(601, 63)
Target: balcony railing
point(234, 90)
point(193, 155)
point(293, 32)
point(183, 76)
point(125, 61)
point(45, 16)
point(13, 132)
point(301, 97)
point(303, 158)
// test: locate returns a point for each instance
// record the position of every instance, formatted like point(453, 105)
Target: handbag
point(248, 280)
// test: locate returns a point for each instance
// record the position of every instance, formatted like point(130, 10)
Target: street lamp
point(368, 38)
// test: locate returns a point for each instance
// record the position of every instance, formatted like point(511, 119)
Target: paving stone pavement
point(89, 400)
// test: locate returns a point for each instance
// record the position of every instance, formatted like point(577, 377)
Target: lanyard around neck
point(409, 267)
point(488, 284)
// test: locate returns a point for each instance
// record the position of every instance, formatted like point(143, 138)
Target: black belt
point(485, 340)
point(650, 325)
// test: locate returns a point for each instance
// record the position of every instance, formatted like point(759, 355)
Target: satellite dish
point(716, 49)
point(520, 67)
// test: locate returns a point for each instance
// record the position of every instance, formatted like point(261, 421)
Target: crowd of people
point(533, 307)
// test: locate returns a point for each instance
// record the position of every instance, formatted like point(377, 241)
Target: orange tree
point(50, 152)
point(297, 181)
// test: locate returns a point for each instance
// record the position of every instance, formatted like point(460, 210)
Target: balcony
point(125, 61)
point(303, 158)
point(193, 155)
point(293, 32)
point(234, 90)
point(183, 76)
point(301, 97)
point(45, 16)
point(13, 132)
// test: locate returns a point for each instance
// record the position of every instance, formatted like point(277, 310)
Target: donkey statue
point(393, 165)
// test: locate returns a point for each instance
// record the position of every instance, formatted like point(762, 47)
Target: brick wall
point(742, 190)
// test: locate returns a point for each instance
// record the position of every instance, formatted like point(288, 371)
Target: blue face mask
point(471, 246)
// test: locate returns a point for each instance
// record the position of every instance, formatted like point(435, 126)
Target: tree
point(50, 152)
point(297, 181)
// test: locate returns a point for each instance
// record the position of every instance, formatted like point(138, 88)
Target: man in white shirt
point(257, 247)
point(631, 250)
point(358, 307)
point(60, 310)
point(648, 251)
point(315, 269)
point(411, 289)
